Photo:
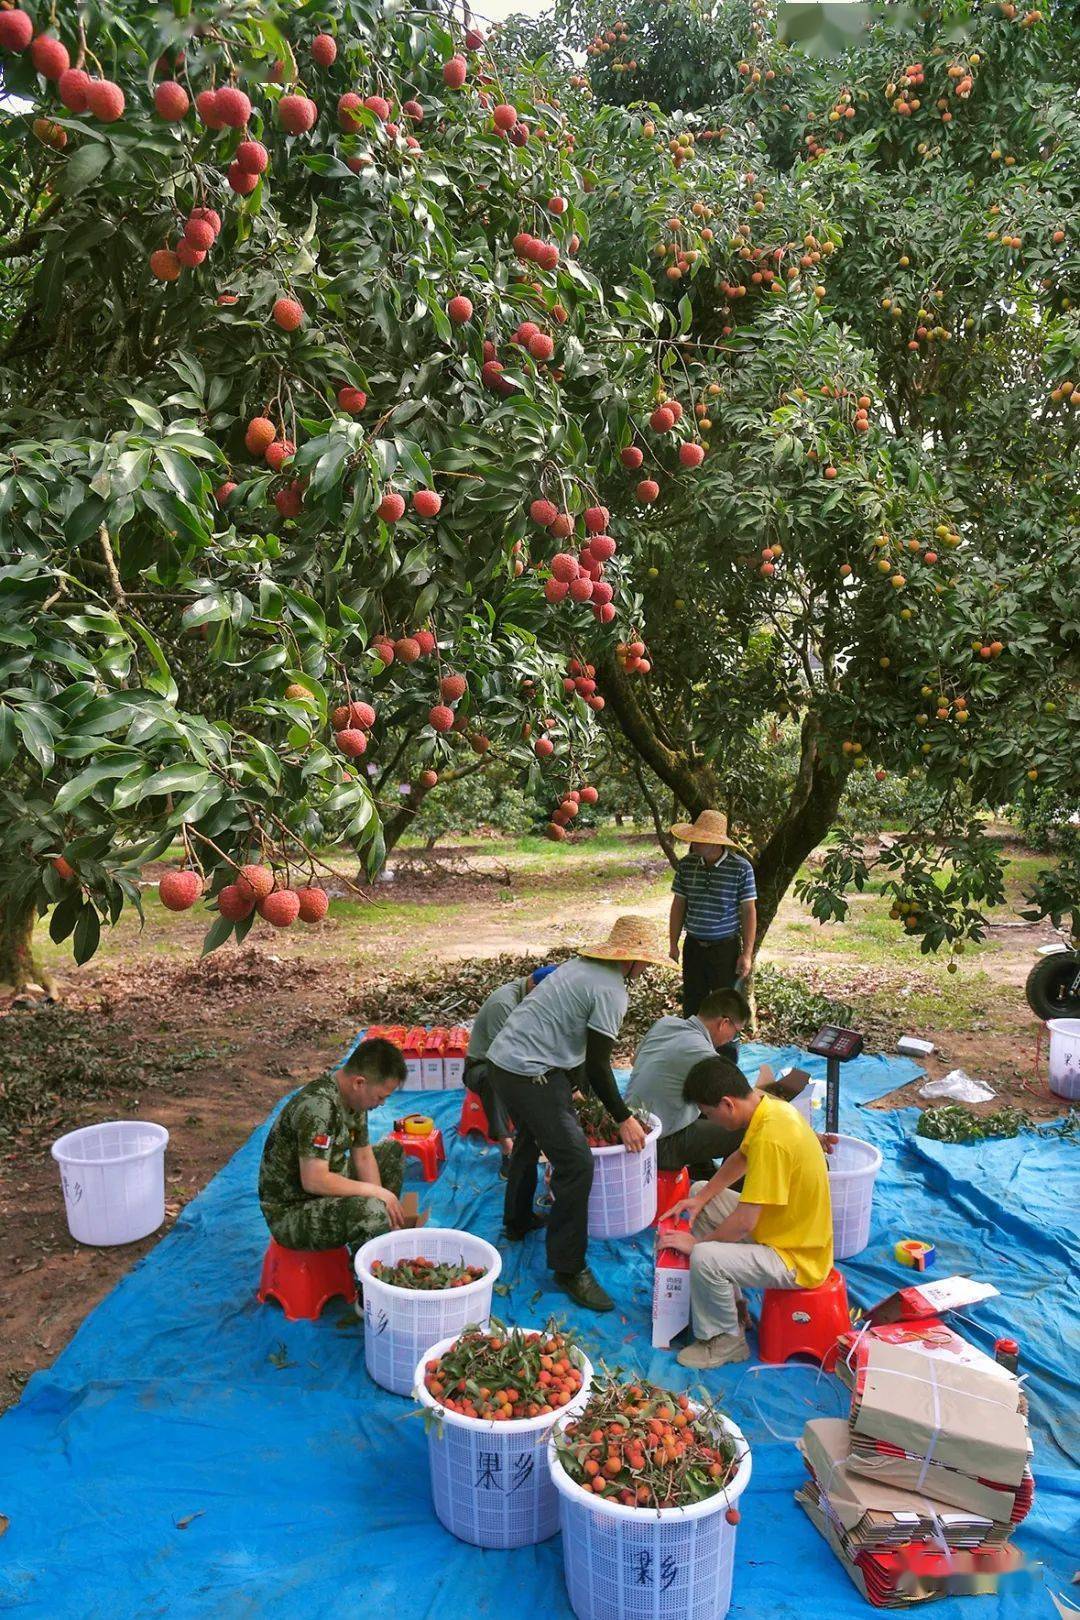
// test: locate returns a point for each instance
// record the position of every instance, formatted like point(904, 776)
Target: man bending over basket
point(777, 1234)
point(321, 1183)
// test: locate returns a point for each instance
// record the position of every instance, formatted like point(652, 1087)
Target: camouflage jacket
point(314, 1124)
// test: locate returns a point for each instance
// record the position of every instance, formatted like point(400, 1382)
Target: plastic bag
point(958, 1087)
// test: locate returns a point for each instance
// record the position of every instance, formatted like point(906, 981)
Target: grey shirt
point(548, 1029)
point(664, 1059)
point(493, 1015)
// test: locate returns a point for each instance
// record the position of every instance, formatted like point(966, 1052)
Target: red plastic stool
point(474, 1117)
point(671, 1186)
point(428, 1149)
point(804, 1321)
point(303, 1280)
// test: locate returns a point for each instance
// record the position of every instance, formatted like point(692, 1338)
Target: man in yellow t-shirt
point(777, 1234)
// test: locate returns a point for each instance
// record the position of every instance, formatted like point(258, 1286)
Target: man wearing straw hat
point(715, 901)
point(490, 1018)
point(571, 1019)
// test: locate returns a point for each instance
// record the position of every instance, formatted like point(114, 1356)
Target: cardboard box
point(875, 1514)
point(457, 1046)
point(929, 1335)
point(671, 1289)
point(931, 1299)
point(414, 1215)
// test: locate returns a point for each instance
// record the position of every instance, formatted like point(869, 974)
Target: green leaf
point(216, 935)
point(174, 779)
point(37, 737)
point(80, 170)
point(87, 934)
point(64, 917)
point(81, 786)
point(162, 681)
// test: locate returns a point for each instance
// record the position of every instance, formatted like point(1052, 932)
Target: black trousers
point(707, 965)
point(696, 1147)
point(546, 1122)
point(477, 1077)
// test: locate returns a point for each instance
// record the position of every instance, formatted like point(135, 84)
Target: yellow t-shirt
point(787, 1175)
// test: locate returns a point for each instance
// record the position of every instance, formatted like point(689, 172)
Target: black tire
point(1053, 986)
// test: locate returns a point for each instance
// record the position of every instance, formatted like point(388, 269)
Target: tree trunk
point(694, 785)
point(17, 966)
point(809, 816)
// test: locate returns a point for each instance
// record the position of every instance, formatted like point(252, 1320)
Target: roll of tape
point(915, 1253)
point(418, 1124)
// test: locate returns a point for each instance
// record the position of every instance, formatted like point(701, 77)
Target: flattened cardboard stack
point(919, 1491)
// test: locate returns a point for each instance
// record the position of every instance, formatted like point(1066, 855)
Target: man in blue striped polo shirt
point(715, 901)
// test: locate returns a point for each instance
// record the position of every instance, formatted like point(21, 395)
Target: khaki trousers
point(720, 1271)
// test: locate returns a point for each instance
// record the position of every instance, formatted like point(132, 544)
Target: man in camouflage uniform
point(321, 1183)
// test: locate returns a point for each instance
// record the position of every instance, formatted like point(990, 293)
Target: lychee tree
point(370, 394)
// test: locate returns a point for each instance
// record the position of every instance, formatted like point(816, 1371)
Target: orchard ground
point(207, 1046)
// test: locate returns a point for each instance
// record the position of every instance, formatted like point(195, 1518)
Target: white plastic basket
point(1065, 1057)
point(490, 1482)
point(853, 1168)
point(113, 1176)
point(399, 1323)
point(623, 1196)
point(629, 1563)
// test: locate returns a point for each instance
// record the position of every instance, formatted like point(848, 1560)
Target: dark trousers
point(696, 1146)
point(546, 1122)
point(706, 965)
point(477, 1077)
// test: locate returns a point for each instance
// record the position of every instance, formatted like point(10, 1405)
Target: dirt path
point(206, 1047)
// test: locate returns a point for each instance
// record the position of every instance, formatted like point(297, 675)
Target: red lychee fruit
point(346, 112)
point(425, 641)
point(547, 255)
point(261, 432)
point(383, 648)
point(543, 747)
point(211, 216)
point(105, 100)
point(16, 30)
point(581, 590)
point(199, 233)
point(289, 501)
point(407, 650)
point(232, 107)
point(541, 346)
point(49, 56)
point(254, 882)
point(631, 457)
point(362, 715)
point(543, 512)
point(479, 743)
point(557, 205)
point(164, 265)
point(661, 420)
point(233, 904)
point(222, 493)
point(314, 904)
point(379, 106)
point(555, 832)
point(440, 718)
point(324, 50)
point(296, 114)
point(190, 257)
point(351, 400)
point(426, 503)
point(452, 687)
point(564, 567)
point(206, 105)
point(63, 869)
point(647, 491)
point(691, 455)
point(460, 309)
point(473, 39)
point(596, 519)
point(413, 110)
point(589, 795)
point(602, 593)
point(281, 908)
point(72, 85)
point(278, 453)
point(455, 72)
point(504, 116)
point(240, 180)
point(555, 590)
point(391, 507)
point(602, 547)
point(252, 157)
point(178, 891)
point(428, 780)
point(171, 101)
point(351, 741)
point(287, 313)
point(562, 526)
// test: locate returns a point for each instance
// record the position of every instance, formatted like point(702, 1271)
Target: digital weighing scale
point(836, 1046)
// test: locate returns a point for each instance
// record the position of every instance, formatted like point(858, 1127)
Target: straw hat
point(711, 827)
point(632, 939)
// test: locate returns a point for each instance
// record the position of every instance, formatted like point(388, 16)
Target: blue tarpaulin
point(193, 1453)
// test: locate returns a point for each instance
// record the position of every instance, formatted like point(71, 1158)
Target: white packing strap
point(860, 1334)
point(936, 1435)
point(793, 1370)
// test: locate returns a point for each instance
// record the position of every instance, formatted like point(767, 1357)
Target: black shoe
point(584, 1289)
point(516, 1234)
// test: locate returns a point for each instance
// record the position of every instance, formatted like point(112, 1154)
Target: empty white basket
point(399, 1323)
point(853, 1168)
point(490, 1482)
point(113, 1176)
point(623, 1196)
point(625, 1563)
point(1065, 1057)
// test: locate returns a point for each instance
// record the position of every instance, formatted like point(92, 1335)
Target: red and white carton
point(671, 1287)
point(412, 1050)
point(434, 1044)
point(454, 1053)
point(930, 1299)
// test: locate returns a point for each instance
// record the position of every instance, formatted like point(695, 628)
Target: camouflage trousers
point(327, 1223)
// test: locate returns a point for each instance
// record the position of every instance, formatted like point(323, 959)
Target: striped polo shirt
point(713, 894)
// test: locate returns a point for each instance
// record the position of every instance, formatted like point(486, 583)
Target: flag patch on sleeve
point(322, 1141)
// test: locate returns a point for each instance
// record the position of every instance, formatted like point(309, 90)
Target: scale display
point(834, 1042)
